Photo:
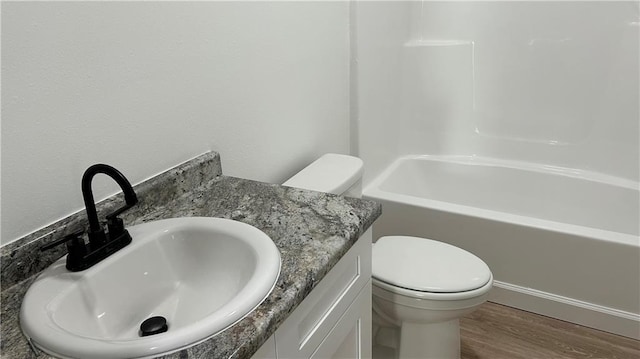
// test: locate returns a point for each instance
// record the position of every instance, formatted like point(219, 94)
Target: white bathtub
point(559, 242)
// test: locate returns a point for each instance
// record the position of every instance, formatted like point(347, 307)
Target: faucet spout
point(96, 232)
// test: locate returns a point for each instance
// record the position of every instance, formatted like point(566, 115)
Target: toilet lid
point(426, 265)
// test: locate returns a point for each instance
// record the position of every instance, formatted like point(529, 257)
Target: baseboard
point(568, 309)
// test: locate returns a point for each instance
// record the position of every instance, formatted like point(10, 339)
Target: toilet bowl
point(421, 287)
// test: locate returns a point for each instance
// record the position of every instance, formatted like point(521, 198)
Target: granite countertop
point(312, 230)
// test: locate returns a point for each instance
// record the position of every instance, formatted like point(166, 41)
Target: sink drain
point(153, 325)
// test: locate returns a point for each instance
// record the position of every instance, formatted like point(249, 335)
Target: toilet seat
point(421, 268)
point(388, 291)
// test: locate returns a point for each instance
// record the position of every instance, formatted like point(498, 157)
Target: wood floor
point(498, 332)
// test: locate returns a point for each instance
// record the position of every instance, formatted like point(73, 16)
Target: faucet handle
point(76, 249)
point(115, 226)
point(74, 241)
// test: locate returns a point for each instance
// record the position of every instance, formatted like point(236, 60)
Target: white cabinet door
point(309, 324)
point(351, 337)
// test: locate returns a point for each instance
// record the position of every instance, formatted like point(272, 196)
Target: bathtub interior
point(561, 195)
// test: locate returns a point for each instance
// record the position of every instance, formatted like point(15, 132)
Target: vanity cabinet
point(334, 320)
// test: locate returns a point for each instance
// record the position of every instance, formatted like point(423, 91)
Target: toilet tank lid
point(332, 173)
point(426, 265)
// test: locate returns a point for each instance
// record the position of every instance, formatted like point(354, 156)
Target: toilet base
point(432, 340)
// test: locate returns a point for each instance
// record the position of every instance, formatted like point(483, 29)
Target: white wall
point(547, 82)
point(144, 86)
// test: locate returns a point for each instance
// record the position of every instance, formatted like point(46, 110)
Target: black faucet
point(97, 236)
point(101, 244)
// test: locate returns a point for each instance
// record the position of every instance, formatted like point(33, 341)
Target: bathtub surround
point(547, 82)
point(312, 231)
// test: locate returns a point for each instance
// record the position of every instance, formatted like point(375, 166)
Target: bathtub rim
point(476, 160)
point(373, 191)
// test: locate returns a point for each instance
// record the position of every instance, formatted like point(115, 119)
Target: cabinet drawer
point(307, 326)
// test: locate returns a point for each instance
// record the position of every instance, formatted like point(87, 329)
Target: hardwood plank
point(496, 331)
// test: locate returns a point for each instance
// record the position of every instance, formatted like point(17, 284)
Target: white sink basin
point(201, 274)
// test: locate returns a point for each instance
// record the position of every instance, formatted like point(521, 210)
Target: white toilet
point(421, 287)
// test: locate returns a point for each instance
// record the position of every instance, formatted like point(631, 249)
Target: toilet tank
point(331, 173)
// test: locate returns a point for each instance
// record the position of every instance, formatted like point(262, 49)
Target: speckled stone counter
point(312, 230)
